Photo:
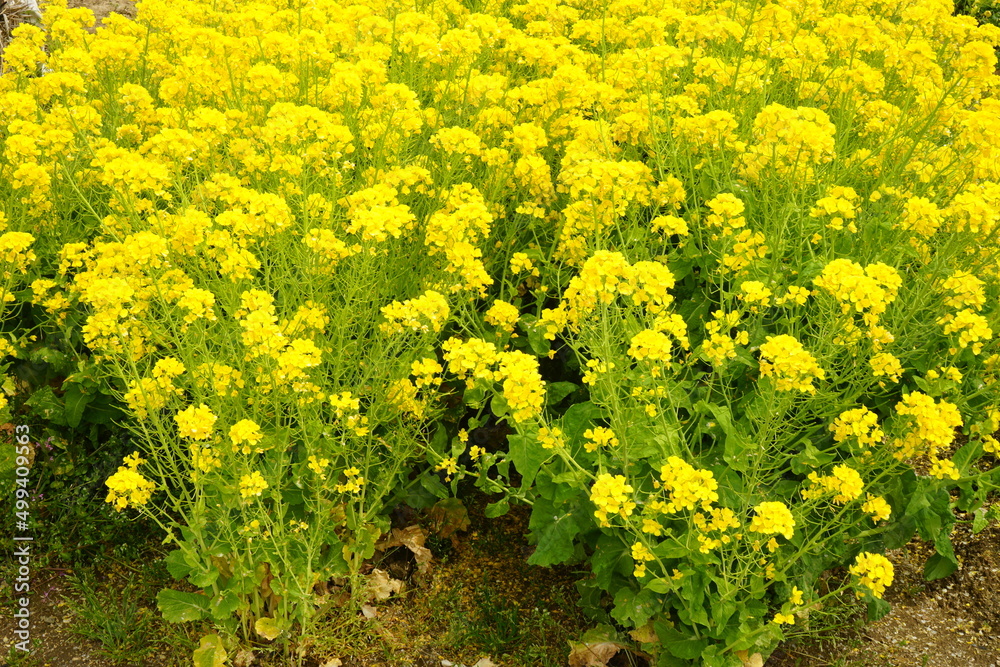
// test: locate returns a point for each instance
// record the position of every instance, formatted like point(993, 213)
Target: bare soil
point(102, 8)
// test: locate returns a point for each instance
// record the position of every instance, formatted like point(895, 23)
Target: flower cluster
point(933, 425)
point(686, 486)
point(845, 483)
point(861, 424)
point(784, 358)
point(611, 495)
point(772, 518)
point(252, 484)
point(128, 486)
point(874, 572)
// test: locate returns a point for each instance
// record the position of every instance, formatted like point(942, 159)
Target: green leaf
point(942, 563)
point(635, 607)
point(499, 406)
point(537, 341)
point(809, 458)
point(688, 649)
point(181, 607)
point(222, 605)
point(177, 564)
point(722, 611)
point(553, 530)
point(734, 452)
point(76, 403)
point(210, 653)
point(721, 413)
point(610, 558)
point(659, 585)
point(966, 454)
point(430, 483)
point(578, 419)
point(877, 608)
point(528, 456)
point(499, 508)
point(979, 521)
point(938, 567)
point(267, 628)
point(555, 392)
point(48, 406)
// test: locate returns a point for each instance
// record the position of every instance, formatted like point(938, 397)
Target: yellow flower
point(550, 438)
point(195, 423)
point(599, 437)
point(942, 468)
point(252, 484)
point(245, 431)
point(845, 483)
point(784, 358)
point(686, 486)
point(860, 424)
point(772, 518)
point(874, 572)
point(127, 486)
point(610, 494)
point(318, 465)
point(877, 507)
point(641, 555)
point(503, 315)
point(424, 313)
point(449, 466)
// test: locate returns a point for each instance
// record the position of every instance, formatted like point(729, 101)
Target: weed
point(116, 617)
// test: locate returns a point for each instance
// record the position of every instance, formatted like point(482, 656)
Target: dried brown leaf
point(593, 654)
point(383, 586)
point(413, 538)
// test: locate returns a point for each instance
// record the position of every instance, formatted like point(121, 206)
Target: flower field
point(709, 286)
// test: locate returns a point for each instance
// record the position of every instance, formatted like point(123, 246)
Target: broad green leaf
point(659, 585)
point(528, 456)
point(205, 577)
point(979, 521)
point(499, 508)
point(735, 450)
point(177, 564)
point(553, 531)
point(809, 458)
point(223, 605)
point(938, 567)
point(433, 485)
point(539, 344)
point(634, 608)
point(877, 608)
point(555, 392)
point(181, 607)
point(966, 454)
point(689, 649)
point(578, 419)
point(48, 406)
point(721, 413)
point(76, 403)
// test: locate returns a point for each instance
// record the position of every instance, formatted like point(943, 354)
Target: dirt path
point(102, 8)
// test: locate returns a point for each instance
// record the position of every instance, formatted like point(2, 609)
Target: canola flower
point(874, 572)
point(772, 518)
point(128, 487)
point(610, 494)
point(332, 139)
point(686, 486)
point(792, 367)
